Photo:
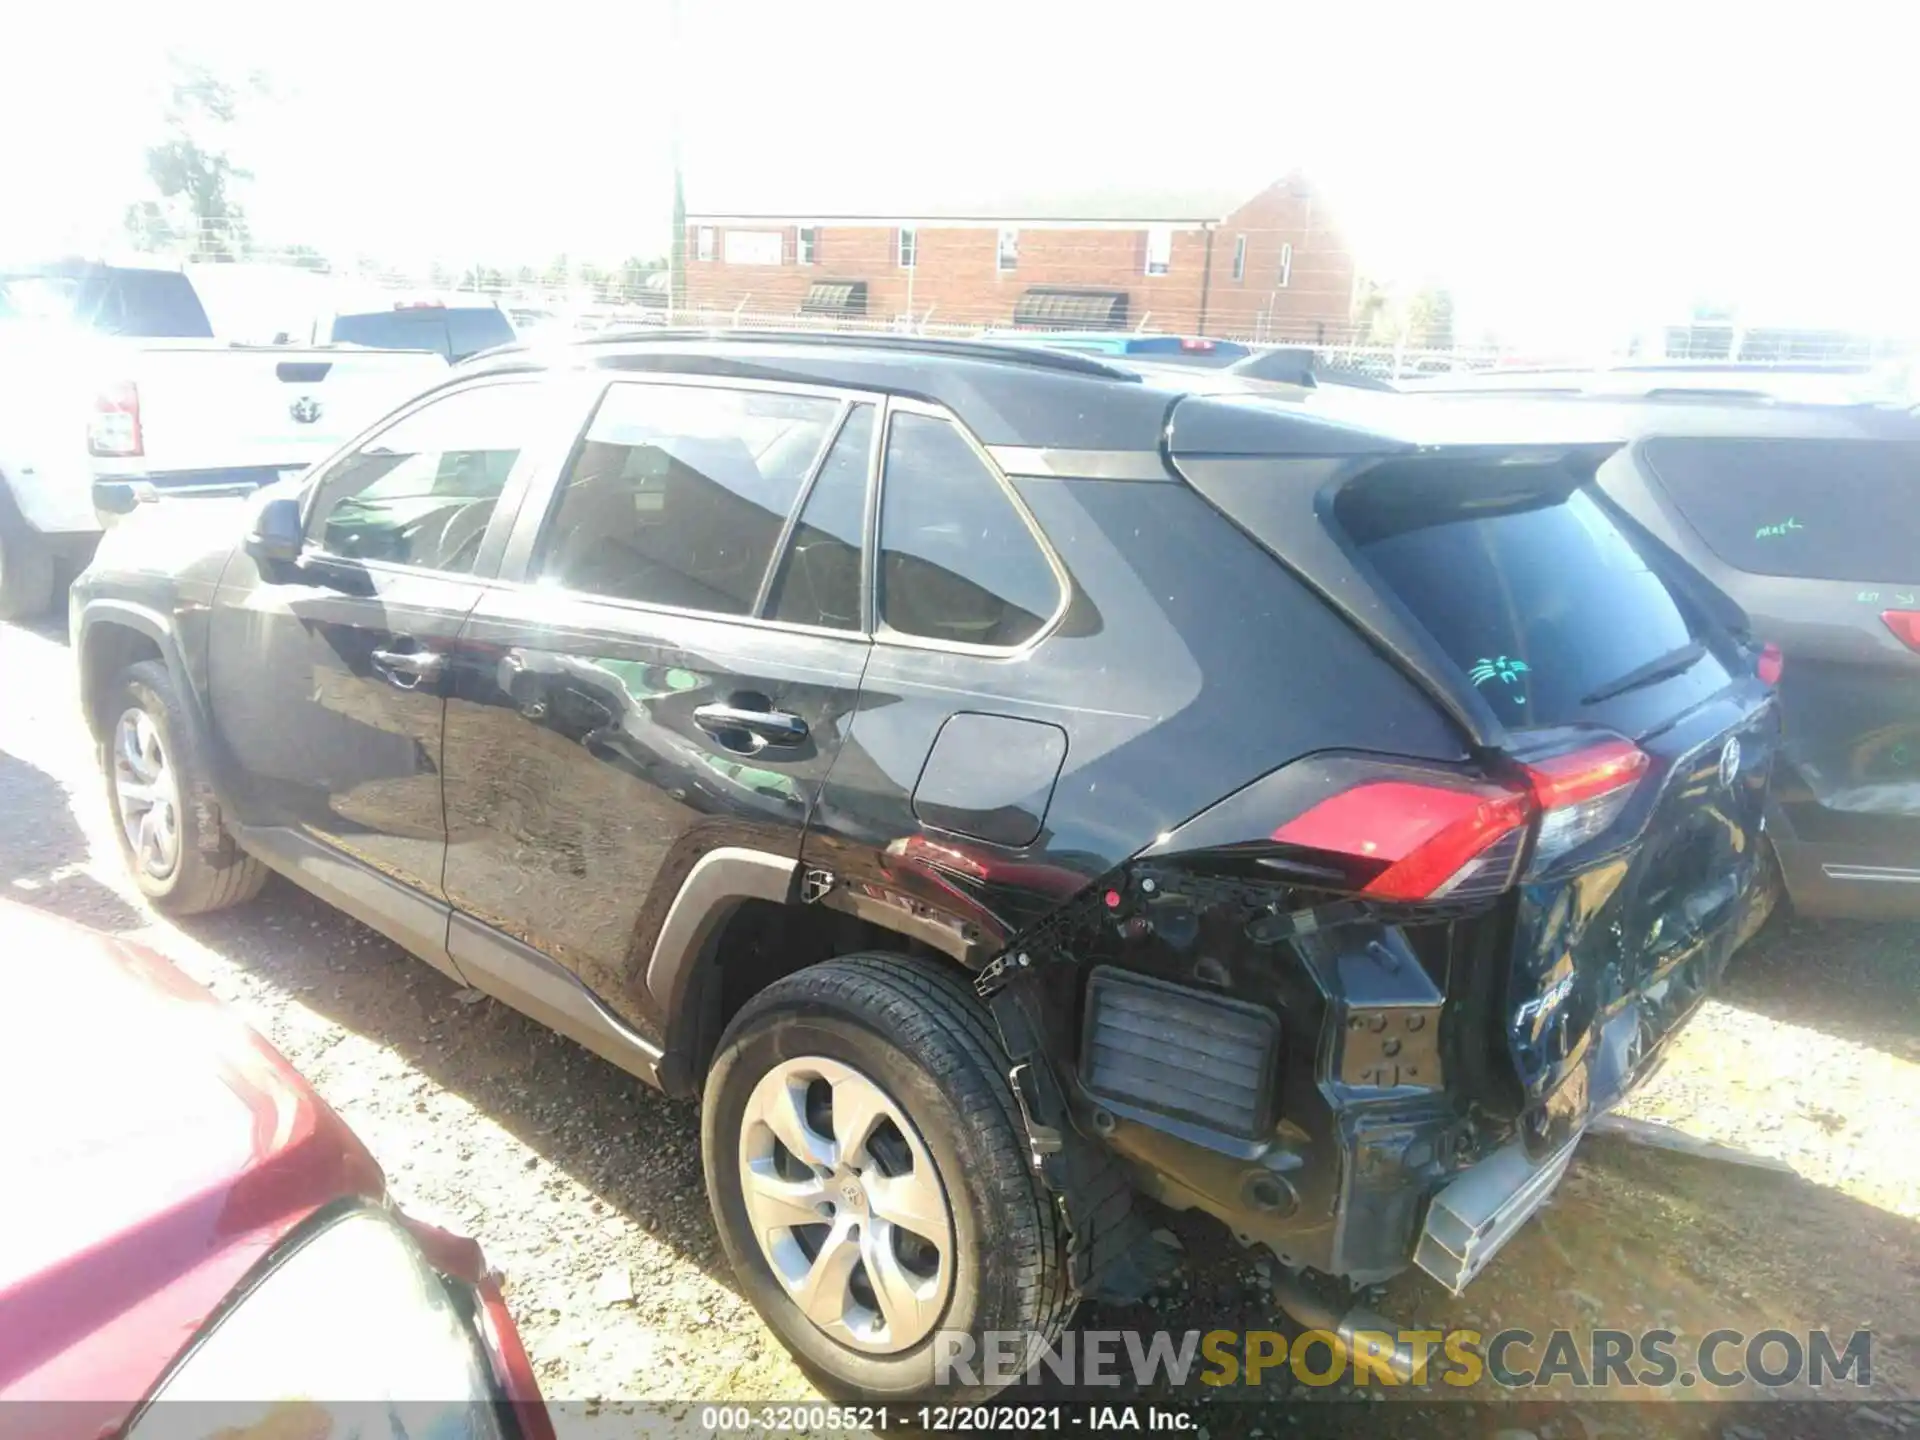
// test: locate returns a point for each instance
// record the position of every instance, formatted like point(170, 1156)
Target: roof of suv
point(1023, 395)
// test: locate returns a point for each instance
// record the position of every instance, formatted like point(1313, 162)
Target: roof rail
point(957, 349)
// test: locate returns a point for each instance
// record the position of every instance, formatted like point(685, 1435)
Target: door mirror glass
point(273, 534)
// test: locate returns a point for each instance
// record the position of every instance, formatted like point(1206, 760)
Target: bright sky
point(1565, 168)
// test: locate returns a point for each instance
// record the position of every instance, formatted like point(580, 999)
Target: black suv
point(1000, 782)
point(1805, 511)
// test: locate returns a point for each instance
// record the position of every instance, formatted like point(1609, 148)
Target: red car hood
point(156, 1148)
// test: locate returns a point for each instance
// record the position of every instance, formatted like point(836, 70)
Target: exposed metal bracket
point(816, 884)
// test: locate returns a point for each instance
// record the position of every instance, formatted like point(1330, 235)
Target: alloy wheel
point(148, 794)
point(847, 1205)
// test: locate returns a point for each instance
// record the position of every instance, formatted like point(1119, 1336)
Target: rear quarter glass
point(1526, 583)
point(1830, 509)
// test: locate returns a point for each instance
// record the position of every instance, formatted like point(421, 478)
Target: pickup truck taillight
point(115, 427)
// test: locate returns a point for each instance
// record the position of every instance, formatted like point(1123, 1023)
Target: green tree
point(190, 167)
point(1429, 320)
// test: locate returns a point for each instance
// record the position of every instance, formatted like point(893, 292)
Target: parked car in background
point(115, 373)
point(1806, 514)
point(202, 1228)
point(1167, 349)
point(452, 329)
point(991, 777)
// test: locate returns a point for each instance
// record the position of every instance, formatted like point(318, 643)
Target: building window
point(1239, 257)
point(1286, 265)
point(909, 246)
point(803, 245)
point(1159, 249)
point(1006, 255)
point(703, 242)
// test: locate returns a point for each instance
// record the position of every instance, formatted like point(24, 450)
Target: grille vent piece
point(1152, 1045)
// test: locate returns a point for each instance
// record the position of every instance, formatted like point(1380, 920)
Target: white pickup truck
point(113, 374)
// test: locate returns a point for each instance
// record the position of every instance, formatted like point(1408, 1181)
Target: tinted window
point(481, 328)
point(1525, 582)
point(422, 491)
point(1816, 509)
point(394, 330)
point(678, 494)
point(819, 580)
point(957, 561)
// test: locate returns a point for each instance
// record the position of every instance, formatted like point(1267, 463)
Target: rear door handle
point(410, 669)
point(774, 727)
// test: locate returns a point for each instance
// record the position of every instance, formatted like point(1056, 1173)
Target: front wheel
point(171, 835)
point(867, 1169)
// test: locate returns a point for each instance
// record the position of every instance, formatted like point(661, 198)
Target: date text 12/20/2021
point(788, 1419)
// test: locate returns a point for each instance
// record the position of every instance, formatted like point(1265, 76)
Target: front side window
point(909, 247)
point(678, 494)
point(958, 562)
point(422, 491)
point(1159, 250)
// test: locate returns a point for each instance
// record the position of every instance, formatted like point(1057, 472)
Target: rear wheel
point(868, 1174)
point(171, 836)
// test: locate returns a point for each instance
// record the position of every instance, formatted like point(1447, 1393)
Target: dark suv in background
point(1806, 511)
point(999, 781)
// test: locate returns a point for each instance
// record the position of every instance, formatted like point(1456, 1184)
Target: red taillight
point(1770, 664)
point(1905, 624)
point(1199, 347)
point(1431, 837)
point(115, 426)
point(1581, 793)
point(1436, 841)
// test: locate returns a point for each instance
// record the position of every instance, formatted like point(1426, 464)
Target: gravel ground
point(584, 1187)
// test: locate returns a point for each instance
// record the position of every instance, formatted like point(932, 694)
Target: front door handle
point(768, 727)
point(410, 669)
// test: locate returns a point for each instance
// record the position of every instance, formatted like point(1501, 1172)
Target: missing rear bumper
point(1474, 1216)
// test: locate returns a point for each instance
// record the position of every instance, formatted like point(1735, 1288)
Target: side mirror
point(273, 535)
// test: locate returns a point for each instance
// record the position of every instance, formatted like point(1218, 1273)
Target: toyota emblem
point(305, 410)
point(1729, 763)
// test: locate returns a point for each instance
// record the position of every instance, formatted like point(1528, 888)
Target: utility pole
point(677, 245)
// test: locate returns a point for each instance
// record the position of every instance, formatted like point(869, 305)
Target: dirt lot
point(585, 1188)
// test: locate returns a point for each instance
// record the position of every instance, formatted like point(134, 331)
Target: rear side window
point(394, 330)
point(1523, 579)
point(1810, 509)
point(819, 580)
point(679, 493)
point(958, 562)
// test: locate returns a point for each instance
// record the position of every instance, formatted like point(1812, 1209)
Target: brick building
point(1270, 266)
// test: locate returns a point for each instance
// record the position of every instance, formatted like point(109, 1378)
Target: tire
point(26, 567)
point(204, 869)
point(914, 1032)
